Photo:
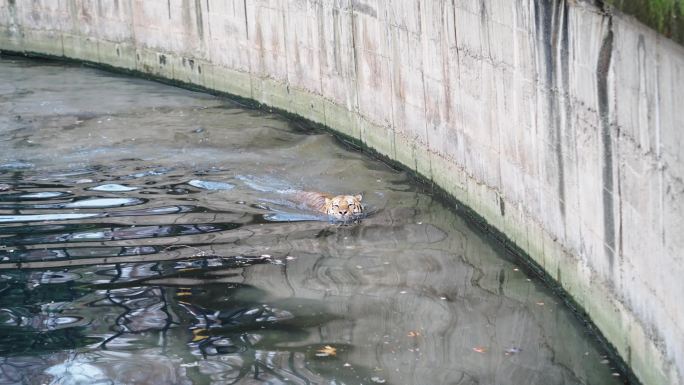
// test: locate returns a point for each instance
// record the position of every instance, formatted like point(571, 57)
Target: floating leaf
point(326, 351)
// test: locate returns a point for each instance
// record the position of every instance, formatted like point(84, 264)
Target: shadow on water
point(173, 254)
point(217, 318)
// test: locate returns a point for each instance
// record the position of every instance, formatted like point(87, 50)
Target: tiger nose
point(343, 212)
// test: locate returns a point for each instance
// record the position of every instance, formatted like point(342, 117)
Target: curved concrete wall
point(554, 120)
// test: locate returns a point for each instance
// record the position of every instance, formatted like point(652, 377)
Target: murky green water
point(158, 246)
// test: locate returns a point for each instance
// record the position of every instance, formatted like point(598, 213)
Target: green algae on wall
point(665, 16)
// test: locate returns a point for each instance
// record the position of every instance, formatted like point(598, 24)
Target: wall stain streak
point(244, 4)
point(565, 83)
point(602, 69)
point(198, 15)
point(551, 19)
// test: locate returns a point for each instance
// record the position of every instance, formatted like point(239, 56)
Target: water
point(157, 245)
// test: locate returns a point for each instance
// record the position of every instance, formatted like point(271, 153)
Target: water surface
point(147, 238)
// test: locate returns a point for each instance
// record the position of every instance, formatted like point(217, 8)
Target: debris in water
point(480, 349)
point(326, 351)
point(413, 334)
point(540, 303)
point(378, 380)
point(512, 350)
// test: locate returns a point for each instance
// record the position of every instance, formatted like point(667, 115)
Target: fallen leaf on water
point(326, 351)
point(480, 349)
point(199, 335)
point(540, 303)
point(413, 334)
point(512, 350)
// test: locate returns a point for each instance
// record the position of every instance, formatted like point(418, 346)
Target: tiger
point(338, 207)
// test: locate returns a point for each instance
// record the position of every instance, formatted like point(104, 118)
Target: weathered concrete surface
point(555, 121)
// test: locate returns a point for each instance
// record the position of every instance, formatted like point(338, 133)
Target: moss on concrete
point(665, 16)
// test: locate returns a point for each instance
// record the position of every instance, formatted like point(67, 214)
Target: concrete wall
point(555, 121)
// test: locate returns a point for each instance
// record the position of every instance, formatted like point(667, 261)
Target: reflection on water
point(147, 237)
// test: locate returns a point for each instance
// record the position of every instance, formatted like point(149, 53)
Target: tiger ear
point(358, 197)
point(328, 201)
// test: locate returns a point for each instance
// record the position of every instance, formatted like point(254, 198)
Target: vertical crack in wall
point(602, 70)
point(458, 57)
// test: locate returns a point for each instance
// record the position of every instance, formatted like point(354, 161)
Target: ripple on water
point(113, 187)
point(44, 195)
point(100, 203)
point(46, 217)
point(211, 185)
point(16, 165)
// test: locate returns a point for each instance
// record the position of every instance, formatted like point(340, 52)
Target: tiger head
point(344, 207)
